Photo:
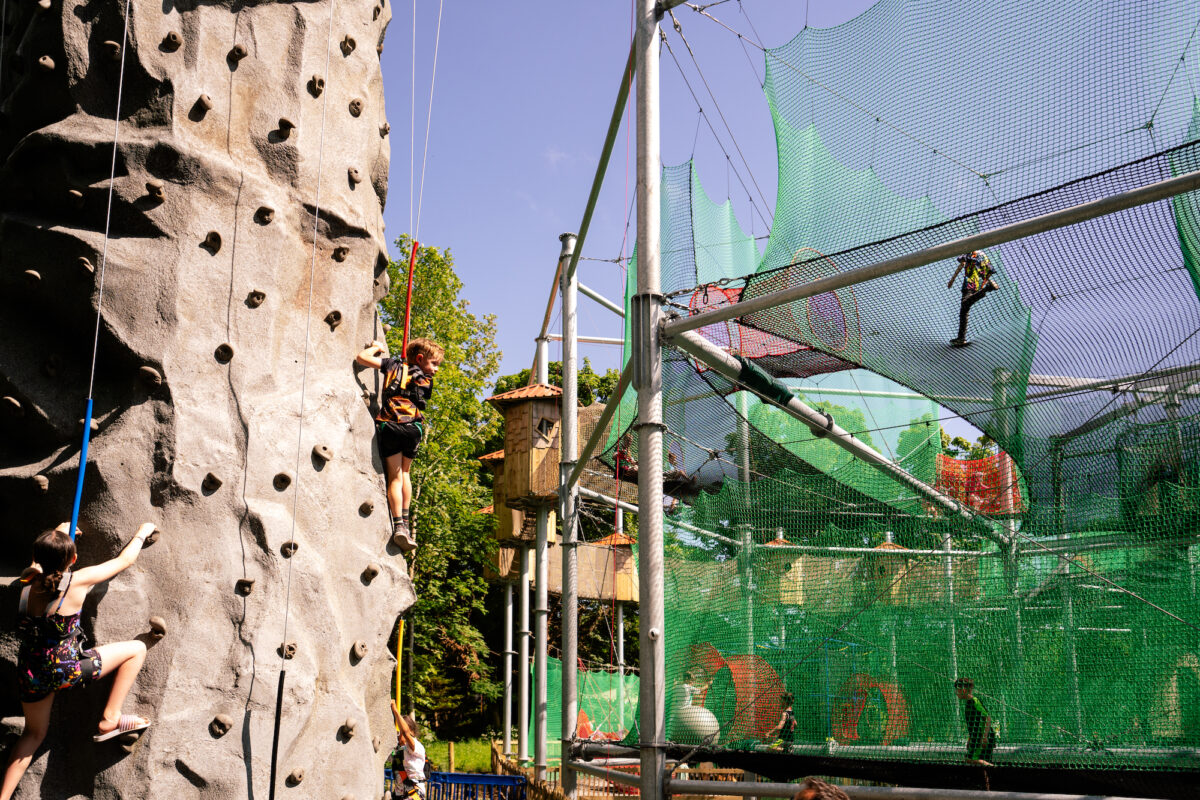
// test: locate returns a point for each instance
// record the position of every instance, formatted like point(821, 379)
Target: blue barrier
point(467, 786)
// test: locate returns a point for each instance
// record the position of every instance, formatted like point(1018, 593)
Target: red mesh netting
point(758, 688)
point(981, 483)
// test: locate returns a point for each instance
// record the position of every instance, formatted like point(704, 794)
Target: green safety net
point(608, 703)
point(1070, 595)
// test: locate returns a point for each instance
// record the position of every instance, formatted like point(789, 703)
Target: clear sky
point(522, 97)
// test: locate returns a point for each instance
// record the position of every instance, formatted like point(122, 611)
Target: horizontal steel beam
point(557, 337)
point(616, 776)
point(751, 789)
point(602, 300)
point(1006, 233)
point(585, 492)
point(1065, 385)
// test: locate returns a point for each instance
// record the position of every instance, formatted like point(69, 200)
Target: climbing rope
point(112, 177)
point(287, 603)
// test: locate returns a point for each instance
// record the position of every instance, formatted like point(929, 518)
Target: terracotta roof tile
point(534, 392)
point(619, 539)
point(498, 455)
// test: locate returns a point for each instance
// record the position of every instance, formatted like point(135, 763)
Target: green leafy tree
point(452, 673)
point(958, 447)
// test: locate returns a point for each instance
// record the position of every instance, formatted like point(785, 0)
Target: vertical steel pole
point(523, 660)
point(541, 611)
point(621, 664)
point(570, 509)
point(948, 545)
point(541, 372)
point(646, 306)
point(508, 667)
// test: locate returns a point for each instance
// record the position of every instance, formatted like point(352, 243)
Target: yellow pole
point(399, 654)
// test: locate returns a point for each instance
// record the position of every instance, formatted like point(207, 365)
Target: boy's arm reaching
point(958, 269)
point(371, 356)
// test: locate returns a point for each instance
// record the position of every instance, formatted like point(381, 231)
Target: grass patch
point(472, 755)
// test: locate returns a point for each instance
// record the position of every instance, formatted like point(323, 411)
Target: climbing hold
point(387, 328)
point(287, 650)
point(286, 126)
point(223, 353)
point(347, 797)
point(129, 740)
point(46, 63)
point(265, 215)
point(340, 253)
point(11, 404)
point(354, 176)
point(322, 453)
point(33, 277)
point(348, 729)
point(348, 44)
point(158, 628)
point(95, 426)
point(42, 482)
point(211, 483)
point(221, 724)
point(359, 650)
point(366, 508)
point(172, 42)
point(76, 197)
point(237, 53)
point(289, 548)
point(282, 481)
point(316, 85)
point(201, 107)
point(86, 264)
point(43, 5)
point(150, 376)
point(356, 107)
point(376, 742)
point(375, 12)
point(156, 190)
point(371, 572)
point(114, 50)
point(53, 365)
point(295, 777)
point(255, 298)
point(212, 242)
point(333, 319)
point(152, 538)
point(384, 130)
point(244, 586)
point(379, 49)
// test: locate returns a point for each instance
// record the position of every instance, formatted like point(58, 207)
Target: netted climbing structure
point(1067, 590)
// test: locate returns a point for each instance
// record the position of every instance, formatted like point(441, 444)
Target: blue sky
point(521, 102)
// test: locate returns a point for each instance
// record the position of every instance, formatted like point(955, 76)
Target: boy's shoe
point(402, 536)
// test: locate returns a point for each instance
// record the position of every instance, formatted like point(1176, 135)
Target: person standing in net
point(785, 732)
point(977, 272)
point(981, 731)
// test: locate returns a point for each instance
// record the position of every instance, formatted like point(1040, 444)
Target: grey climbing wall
point(201, 379)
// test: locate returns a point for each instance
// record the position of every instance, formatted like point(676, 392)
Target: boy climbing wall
point(977, 282)
point(407, 386)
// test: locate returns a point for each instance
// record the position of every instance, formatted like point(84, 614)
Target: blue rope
point(87, 436)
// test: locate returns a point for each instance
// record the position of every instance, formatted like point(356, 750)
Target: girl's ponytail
point(53, 552)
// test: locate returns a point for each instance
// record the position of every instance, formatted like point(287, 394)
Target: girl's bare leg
point(37, 722)
point(122, 660)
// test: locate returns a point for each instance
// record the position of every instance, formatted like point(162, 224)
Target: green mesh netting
point(1073, 605)
point(608, 699)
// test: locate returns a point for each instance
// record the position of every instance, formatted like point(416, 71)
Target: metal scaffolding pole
point(541, 613)
point(749, 789)
point(980, 241)
point(602, 300)
point(822, 425)
point(523, 658)
point(570, 507)
point(646, 310)
point(508, 667)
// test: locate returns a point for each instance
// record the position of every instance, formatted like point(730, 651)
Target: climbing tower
point(225, 224)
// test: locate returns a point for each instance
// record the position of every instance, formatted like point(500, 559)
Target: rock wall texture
point(202, 375)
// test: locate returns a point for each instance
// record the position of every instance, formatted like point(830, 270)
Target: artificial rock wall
point(202, 373)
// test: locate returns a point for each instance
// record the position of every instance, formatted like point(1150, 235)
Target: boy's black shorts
point(399, 437)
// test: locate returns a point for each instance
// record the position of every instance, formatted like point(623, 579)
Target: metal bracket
point(820, 433)
point(646, 311)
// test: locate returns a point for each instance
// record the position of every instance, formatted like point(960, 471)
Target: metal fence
point(468, 786)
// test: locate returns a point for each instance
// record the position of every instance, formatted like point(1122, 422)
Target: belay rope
point(112, 177)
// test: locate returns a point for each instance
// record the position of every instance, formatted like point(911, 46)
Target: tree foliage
point(453, 675)
point(958, 447)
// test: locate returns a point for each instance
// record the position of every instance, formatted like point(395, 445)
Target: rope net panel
point(1071, 600)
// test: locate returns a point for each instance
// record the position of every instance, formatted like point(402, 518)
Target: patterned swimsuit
point(51, 657)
